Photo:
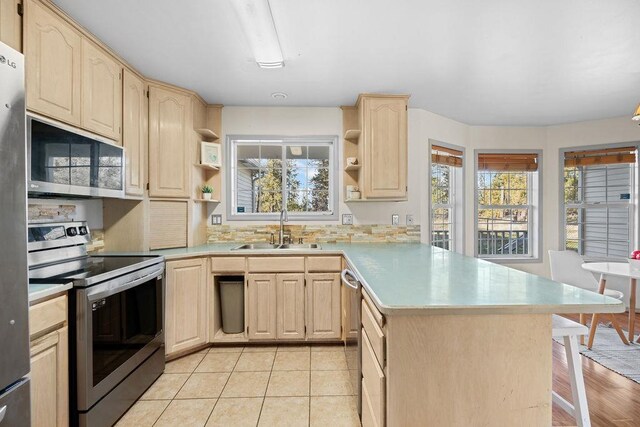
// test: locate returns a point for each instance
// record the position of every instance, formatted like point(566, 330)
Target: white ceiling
point(489, 62)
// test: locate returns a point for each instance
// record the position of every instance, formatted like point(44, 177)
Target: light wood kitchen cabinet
point(186, 305)
point(50, 380)
point(11, 24)
point(169, 136)
point(323, 306)
point(49, 363)
point(261, 305)
point(290, 307)
point(134, 132)
point(53, 57)
point(101, 92)
point(375, 132)
point(384, 135)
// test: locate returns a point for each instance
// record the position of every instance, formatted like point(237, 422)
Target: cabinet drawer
point(368, 413)
point(373, 382)
point(47, 315)
point(377, 316)
point(227, 264)
point(374, 334)
point(324, 263)
point(276, 264)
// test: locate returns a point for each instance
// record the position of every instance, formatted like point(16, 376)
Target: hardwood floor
point(613, 399)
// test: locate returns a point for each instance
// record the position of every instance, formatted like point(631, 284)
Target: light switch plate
point(395, 219)
point(216, 219)
point(409, 219)
point(347, 219)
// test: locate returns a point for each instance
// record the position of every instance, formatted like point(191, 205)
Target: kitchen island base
point(470, 370)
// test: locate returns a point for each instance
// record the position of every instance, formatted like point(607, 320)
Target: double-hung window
point(446, 197)
point(508, 205)
point(267, 175)
point(599, 193)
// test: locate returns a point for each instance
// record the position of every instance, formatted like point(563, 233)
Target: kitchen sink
point(300, 246)
point(257, 247)
point(270, 247)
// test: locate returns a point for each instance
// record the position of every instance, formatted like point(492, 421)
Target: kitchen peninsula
point(447, 339)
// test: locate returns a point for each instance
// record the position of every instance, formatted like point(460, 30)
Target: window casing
point(446, 191)
point(598, 211)
point(264, 171)
point(507, 196)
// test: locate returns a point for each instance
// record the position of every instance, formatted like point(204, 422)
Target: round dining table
point(618, 269)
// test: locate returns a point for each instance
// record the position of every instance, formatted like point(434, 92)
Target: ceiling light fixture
point(279, 95)
point(257, 22)
point(636, 115)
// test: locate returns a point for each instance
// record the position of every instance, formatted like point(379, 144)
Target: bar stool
point(569, 331)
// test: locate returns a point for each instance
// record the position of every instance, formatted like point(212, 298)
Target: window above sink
point(264, 171)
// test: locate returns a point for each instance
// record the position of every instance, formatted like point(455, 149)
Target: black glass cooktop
point(85, 268)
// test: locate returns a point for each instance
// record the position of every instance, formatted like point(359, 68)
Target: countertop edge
point(38, 296)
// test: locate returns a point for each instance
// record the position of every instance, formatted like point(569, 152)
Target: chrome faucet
point(284, 217)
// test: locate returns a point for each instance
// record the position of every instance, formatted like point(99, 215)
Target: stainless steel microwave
point(63, 160)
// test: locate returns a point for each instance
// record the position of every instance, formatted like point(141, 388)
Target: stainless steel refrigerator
point(14, 288)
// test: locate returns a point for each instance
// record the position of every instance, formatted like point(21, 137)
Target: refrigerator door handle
point(3, 412)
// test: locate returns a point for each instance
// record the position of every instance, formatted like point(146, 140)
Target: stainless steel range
point(115, 320)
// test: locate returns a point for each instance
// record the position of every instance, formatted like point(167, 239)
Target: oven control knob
point(72, 231)
point(82, 230)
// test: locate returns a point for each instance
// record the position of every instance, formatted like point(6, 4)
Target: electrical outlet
point(409, 219)
point(216, 219)
point(395, 219)
point(347, 219)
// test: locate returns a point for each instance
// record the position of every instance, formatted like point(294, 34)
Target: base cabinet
point(49, 351)
point(323, 306)
point(50, 380)
point(186, 305)
point(261, 304)
point(290, 307)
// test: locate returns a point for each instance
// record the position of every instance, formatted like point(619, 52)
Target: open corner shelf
point(352, 167)
point(222, 337)
point(352, 134)
point(206, 201)
point(207, 167)
point(207, 133)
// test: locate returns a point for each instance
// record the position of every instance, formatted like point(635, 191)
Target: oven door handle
point(106, 289)
point(349, 279)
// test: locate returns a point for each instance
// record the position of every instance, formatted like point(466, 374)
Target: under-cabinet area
point(284, 299)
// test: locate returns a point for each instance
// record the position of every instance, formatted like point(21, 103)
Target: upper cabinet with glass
point(264, 172)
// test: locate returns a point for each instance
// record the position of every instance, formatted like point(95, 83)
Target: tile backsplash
point(47, 212)
point(40, 212)
point(374, 233)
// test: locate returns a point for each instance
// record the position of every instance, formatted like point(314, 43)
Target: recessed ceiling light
point(279, 95)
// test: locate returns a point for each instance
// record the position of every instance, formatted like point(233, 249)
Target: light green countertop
point(41, 291)
point(406, 278)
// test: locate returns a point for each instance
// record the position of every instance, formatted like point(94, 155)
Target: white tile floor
point(306, 385)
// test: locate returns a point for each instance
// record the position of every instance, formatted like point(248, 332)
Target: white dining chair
point(568, 330)
point(566, 267)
